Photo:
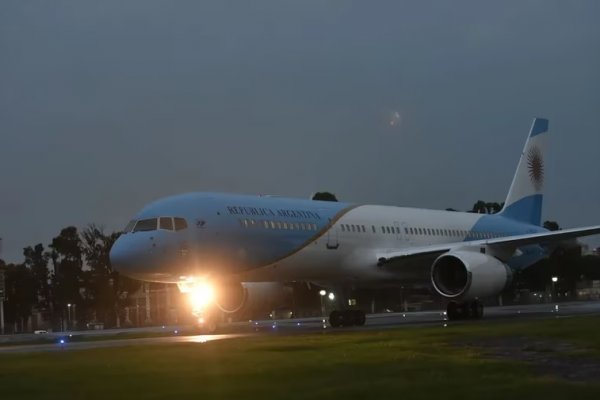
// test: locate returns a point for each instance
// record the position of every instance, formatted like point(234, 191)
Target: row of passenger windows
point(361, 228)
point(421, 231)
point(451, 233)
point(294, 226)
point(152, 224)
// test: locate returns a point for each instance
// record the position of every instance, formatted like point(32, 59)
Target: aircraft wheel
point(359, 317)
point(336, 319)
point(476, 309)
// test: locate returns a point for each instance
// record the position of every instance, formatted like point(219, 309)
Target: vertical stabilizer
point(524, 200)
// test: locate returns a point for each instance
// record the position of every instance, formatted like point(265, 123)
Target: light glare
point(201, 296)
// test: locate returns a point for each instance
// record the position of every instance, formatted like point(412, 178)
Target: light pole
point(322, 294)
point(554, 280)
point(69, 316)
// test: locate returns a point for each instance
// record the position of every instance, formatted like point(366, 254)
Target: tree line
point(70, 280)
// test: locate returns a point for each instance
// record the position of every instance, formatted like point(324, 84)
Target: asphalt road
point(292, 327)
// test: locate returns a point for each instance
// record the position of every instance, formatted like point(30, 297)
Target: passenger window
point(363, 228)
point(314, 226)
point(180, 224)
point(165, 223)
point(285, 226)
point(373, 227)
point(145, 225)
point(266, 224)
point(129, 226)
point(353, 228)
point(382, 229)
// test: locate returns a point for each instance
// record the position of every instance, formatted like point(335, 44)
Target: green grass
point(404, 363)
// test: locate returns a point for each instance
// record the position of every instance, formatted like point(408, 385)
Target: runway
point(170, 335)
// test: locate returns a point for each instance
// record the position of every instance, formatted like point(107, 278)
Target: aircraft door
point(400, 231)
point(397, 230)
point(332, 238)
point(403, 233)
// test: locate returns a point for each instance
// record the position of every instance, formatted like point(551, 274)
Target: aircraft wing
point(503, 245)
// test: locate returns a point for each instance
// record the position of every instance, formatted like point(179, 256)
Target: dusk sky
point(108, 105)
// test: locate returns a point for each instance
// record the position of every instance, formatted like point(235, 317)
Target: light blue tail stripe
point(527, 210)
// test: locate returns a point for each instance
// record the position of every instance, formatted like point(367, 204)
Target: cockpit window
point(180, 224)
point(145, 225)
point(165, 223)
point(129, 226)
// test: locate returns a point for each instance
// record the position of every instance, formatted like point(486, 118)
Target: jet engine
point(469, 275)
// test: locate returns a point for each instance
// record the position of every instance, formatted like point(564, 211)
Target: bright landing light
point(201, 296)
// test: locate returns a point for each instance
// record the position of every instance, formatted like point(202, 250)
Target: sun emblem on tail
point(535, 165)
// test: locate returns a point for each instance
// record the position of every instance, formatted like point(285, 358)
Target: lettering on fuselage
point(261, 211)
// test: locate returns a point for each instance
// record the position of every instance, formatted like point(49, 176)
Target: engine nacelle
point(252, 296)
point(469, 275)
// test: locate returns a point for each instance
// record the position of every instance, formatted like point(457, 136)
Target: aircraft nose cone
point(120, 256)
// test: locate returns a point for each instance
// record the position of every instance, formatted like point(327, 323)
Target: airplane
point(227, 250)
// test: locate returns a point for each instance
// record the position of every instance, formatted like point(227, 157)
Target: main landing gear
point(347, 318)
point(465, 310)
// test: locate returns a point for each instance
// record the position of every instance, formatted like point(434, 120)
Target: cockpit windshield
point(165, 223)
point(145, 225)
point(180, 224)
point(129, 226)
point(152, 224)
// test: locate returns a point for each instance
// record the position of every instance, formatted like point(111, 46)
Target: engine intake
point(469, 275)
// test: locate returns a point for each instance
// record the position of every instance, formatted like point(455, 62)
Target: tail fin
point(524, 200)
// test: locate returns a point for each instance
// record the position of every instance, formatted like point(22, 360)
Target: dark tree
point(324, 196)
point(101, 292)
point(482, 207)
point(36, 259)
point(67, 263)
point(479, 207)
point(20, 295)
point(107, 292)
